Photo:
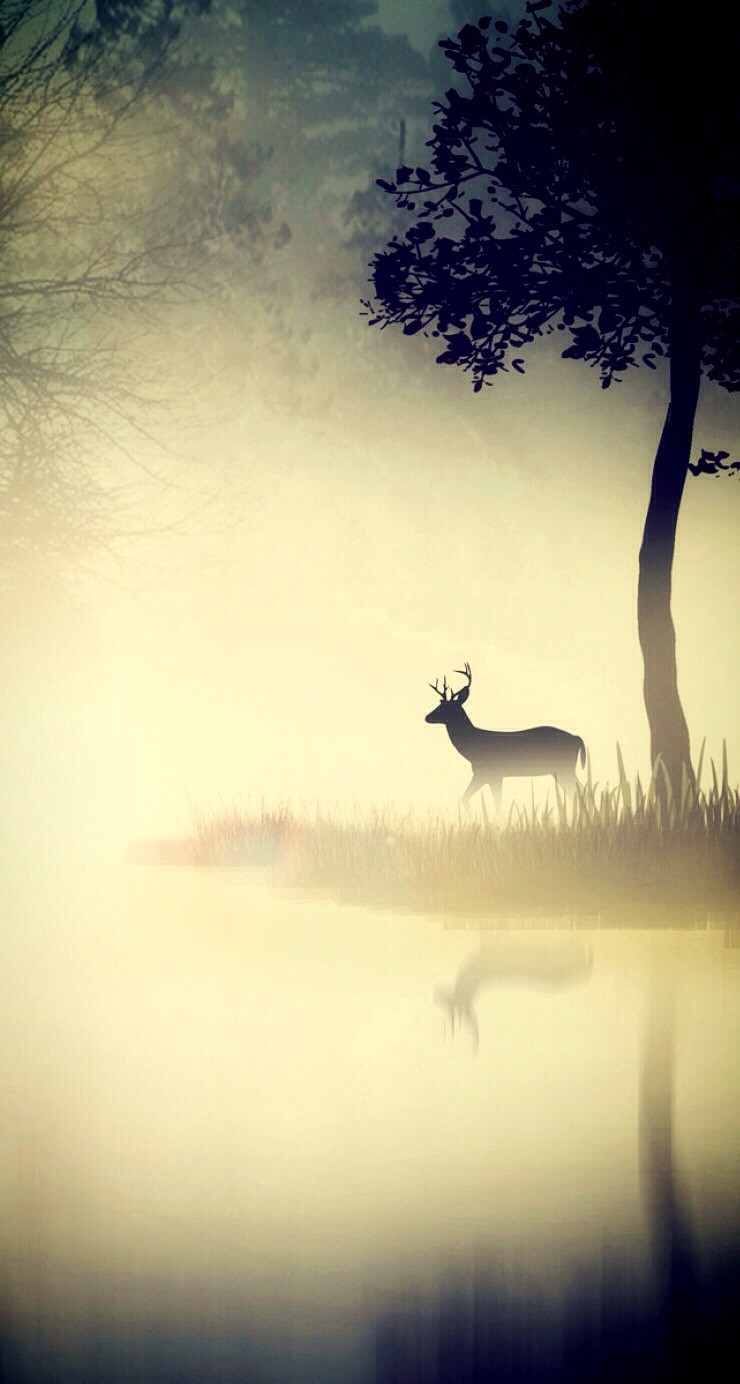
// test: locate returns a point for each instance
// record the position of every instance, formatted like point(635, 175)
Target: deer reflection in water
point(549, 962)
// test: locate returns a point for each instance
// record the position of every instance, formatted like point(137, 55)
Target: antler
point(465, 673)
point(443, 693)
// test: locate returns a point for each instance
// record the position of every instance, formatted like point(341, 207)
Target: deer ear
point(462, 695)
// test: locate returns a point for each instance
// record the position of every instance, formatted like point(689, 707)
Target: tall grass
point(619, 847)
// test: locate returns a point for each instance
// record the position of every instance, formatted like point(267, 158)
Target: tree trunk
point(672, 1237)
point(669, 736)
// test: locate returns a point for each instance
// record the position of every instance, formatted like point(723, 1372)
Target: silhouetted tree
point(583, 179)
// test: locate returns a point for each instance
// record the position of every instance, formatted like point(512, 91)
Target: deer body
point(498, 754)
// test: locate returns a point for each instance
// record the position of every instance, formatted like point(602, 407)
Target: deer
point(551, 962)
point(498, 754)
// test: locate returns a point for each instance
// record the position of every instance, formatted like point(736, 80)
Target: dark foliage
point(580, 168)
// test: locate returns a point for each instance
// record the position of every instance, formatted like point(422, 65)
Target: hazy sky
point(372, 525)
point(423, 22)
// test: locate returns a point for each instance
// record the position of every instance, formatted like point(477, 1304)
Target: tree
point(153, 152)
point(106, 222)
point(584, 180)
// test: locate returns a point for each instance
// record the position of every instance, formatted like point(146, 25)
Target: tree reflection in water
point(605, 1325)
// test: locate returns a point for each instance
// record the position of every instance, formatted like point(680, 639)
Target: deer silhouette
point(548, 963)
point(498, 754)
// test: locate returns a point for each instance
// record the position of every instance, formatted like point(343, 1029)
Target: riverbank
point(614, 849)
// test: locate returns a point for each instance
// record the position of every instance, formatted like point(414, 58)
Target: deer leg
point(495, 786)
point(476, 783)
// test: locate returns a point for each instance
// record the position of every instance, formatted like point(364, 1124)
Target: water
point(254, 1137)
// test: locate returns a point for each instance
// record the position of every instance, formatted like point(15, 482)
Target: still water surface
point(248, 1136)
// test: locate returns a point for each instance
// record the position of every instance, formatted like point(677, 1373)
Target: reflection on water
point(540, 960)
point(617, 1322)
point(235, 1144)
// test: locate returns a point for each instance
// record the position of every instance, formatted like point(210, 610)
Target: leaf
point(387, 187)
point(411, 328)
point(711, 463)
point(459, 346)
point(588, 337)
point(469, 39)
point(416, 235)
point(607, 319)
point(518, 365)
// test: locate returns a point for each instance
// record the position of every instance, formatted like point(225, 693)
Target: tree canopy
point(581, 170)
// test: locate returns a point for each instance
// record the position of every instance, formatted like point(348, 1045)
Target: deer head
point(449, 701)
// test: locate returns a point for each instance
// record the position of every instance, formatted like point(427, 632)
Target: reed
point(624, 847)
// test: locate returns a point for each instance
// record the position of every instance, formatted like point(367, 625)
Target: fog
point(249, 1131)
point(317, 521)
point(285, 653)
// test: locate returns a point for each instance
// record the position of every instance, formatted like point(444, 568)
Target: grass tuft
point(612, 848)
